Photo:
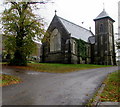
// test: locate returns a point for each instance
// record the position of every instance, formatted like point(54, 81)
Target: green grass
point(3, 63)
point(8, 80)
point(58, 68)
point(111, 90)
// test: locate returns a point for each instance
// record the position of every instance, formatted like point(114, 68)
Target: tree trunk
point(19, 55)
point(19, 59)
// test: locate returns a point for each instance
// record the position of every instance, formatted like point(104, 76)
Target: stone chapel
point(66, 42)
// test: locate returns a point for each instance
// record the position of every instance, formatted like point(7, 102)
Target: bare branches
point(42, 2)
point(14, 3)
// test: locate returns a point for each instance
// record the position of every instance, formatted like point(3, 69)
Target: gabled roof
point(76, 31)
point(103, 14)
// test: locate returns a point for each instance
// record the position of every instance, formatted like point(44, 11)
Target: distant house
point(0, 48)
point(66, 42)
point(5, 56)
point(35, 56)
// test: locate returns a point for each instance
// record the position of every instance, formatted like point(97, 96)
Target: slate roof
point(103, 14)
point(75, 30)
point(91, 39)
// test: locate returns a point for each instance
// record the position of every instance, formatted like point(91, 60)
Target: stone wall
point(104, 46)
point(57, 56)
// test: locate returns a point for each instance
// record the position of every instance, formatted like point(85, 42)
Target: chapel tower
point(104, 40)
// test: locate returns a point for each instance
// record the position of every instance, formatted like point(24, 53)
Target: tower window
point(110, 42)
point(101, 28)
point(110, 28)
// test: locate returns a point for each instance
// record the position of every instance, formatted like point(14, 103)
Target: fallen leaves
point(6, 80)
point(111, 90)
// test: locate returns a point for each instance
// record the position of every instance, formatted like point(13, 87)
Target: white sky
point(78, 11)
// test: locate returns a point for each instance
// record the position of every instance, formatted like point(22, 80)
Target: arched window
point(55, 41)
point(51, 43)
point(74, 46)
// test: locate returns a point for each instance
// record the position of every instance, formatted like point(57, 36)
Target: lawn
point(8, 80)
point(111, 91)
point(58, 68)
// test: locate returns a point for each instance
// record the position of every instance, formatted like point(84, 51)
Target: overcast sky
point(78, 11)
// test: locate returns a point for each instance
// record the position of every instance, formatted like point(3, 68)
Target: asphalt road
point(37, 88)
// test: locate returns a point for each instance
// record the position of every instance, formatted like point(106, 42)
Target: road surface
point(38, 88)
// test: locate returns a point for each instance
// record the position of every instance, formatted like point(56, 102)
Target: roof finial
point(103, 6)
point(55, 12)
point(82, 22)
point(90, 28)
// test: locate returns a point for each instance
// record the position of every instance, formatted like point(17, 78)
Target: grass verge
point(111, 90)
point(58, 68)
point(6, 80)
